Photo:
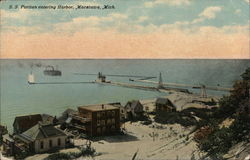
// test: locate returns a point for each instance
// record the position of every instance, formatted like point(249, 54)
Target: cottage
point(104, 119)
point(123, 113)
point(42, 138)
point(164, 104)
point(23, 123)
point(134, 108)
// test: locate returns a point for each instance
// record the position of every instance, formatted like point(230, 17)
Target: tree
point(246, 75)
point(236, 105)
point(240, 91)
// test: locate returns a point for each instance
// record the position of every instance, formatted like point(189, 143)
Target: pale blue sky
point(219, 13)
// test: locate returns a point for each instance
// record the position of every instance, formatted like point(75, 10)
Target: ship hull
point(52, 73)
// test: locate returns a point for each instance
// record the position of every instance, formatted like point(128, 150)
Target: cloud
point(166, 2)
point(207, 13)
point(81, 23)
point(210, 12)
point(118, 15)
point(149, 41)
point(142, 19)
point(88, 23)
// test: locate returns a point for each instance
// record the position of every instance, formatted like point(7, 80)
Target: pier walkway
point(186, 85)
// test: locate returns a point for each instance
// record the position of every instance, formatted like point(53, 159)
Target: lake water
point(20, 98)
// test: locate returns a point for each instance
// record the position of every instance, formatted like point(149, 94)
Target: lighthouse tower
point(31, 78)
point(160, 84)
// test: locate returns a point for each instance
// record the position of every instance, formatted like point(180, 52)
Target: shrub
point(84, 151)
point(175, 117)
point(202, 134)
point(217, 143)
point(241, 129)
point(202, 113)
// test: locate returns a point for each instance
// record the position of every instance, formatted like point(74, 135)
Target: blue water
point(19, 98)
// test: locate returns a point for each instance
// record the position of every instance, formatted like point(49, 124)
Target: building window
point(113, 113)
point(103, 122)
point(108, 121)
point(103, 130)
point(103, 114)
point(41, 144)
point(113, 121)
point(98, 122)
point(98, 115)
point(58, 141)
point(98, 130)
point(50, 143)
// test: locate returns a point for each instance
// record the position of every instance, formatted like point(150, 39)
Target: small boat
point(50, 71)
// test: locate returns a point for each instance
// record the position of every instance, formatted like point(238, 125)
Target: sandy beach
point(154, 141)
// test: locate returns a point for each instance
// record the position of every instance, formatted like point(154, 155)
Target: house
point(42, 138)
point(23, 123)
point(104, 119)
point(134, 108)
point(122, 110)
point(123, 113)
point(164, 104)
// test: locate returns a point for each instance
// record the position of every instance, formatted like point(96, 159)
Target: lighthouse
point(31, 78)
point(160, 84)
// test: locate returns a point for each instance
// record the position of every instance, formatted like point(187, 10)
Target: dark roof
point(27, 121)
point(134, 103)
point(41, 131)
point(164, 101)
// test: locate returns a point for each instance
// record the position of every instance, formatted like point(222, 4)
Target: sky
point(150, 29)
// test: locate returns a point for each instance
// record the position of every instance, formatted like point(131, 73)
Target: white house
point(43, 137)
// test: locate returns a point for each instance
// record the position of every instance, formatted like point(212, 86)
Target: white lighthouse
point(31, 78)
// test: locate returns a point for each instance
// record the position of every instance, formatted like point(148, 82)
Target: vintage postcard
point(125, 80)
